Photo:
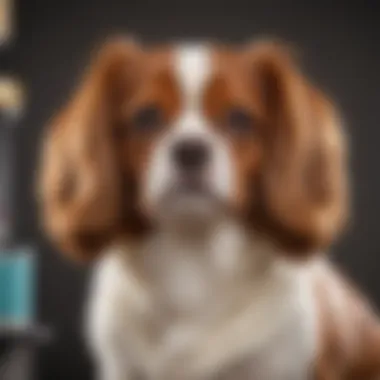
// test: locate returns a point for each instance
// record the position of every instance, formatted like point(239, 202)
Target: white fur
point(193, 69)
point(180, 310)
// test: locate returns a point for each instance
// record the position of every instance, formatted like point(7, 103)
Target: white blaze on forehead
point(193, 68)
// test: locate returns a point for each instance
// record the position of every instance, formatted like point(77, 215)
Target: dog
point(206, 183)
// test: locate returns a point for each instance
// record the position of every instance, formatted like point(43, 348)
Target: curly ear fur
point(79, 183)
point(303, 193)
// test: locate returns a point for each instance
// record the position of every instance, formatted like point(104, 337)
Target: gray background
point(340, 45)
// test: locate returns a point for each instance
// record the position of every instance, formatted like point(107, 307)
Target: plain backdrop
point(340, 50)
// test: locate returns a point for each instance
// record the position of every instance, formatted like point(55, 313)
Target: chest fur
point(195, 317)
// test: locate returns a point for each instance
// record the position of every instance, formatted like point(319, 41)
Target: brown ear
point(79, 184)
point(303, 191)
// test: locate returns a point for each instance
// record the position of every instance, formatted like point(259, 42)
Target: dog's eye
point(147, 119)
point(239, 121)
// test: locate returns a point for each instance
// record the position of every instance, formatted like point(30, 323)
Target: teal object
point(17, 287)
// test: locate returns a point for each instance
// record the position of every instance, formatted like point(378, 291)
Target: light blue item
point(17, 287)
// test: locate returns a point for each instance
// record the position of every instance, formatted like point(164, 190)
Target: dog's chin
point(189, 209)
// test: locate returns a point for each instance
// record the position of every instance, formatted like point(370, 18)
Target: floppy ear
point(79, 184)
point(302, 191)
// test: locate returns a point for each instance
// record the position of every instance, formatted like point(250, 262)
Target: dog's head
point(184, 135)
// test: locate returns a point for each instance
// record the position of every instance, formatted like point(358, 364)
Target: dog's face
point(193, 125)
point(186, 135)
point(185, 171)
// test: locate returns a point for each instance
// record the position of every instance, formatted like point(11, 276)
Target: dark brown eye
point(239, 121)
point(147, 119)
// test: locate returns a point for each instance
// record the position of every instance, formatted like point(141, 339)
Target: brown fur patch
point(291, 169)
point(90, 171)
point(229, 90)
point(349, 333)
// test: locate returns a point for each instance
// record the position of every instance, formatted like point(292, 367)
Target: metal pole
point(11, 104)
point(6, 180)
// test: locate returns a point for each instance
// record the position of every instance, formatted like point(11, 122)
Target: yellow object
point(11, 95)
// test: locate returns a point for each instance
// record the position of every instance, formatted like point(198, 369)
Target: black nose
point(191, 154)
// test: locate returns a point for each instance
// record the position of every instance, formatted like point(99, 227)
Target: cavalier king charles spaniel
point(205, 183)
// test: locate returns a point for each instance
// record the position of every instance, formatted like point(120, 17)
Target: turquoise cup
point(17, 286)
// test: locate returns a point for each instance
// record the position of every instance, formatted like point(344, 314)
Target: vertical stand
point(19, 336)
point(11, 106)
point(6, 173)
